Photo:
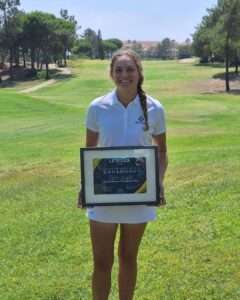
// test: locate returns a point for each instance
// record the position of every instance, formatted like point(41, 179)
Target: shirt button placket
point(125, 125)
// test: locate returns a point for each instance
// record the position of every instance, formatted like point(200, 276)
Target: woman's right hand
point(79, 200)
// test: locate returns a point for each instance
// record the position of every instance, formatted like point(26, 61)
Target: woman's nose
point(124, 73)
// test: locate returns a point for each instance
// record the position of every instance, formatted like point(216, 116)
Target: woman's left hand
point(162, 198)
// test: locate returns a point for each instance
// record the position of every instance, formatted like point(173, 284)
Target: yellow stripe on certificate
point(96, 162)
point(143, 188)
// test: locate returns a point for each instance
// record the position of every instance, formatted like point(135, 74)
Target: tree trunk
point(236, 64)
point(11, 64)
point(38, 59)
point(32, 58)
point(227, 67)
point(16, 56)
point(47, 71)
point(65, 57)
point(24, 58)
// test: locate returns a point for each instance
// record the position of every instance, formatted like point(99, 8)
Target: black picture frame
point(113, 176)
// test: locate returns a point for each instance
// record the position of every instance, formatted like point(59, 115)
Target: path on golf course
point(63, 71)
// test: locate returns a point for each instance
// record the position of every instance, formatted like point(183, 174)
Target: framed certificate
point(119, 176)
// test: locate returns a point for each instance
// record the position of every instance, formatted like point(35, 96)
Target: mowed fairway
point(191, 252)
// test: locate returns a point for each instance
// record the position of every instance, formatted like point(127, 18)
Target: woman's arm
point(160, 141)
point(91, 141)
point(91, 138)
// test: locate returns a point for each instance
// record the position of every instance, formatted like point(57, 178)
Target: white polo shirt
point(118, 125)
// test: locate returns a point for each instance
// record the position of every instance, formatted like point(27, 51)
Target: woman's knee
point(127, 258)
point(103, 263)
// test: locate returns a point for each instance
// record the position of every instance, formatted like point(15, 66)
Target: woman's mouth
point(124, 82)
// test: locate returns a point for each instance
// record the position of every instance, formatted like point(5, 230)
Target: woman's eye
point(127, 70)
point(130, 70)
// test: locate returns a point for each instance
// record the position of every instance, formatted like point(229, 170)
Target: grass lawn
point(191, 252)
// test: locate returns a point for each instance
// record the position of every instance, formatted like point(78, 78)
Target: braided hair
point(142, 95)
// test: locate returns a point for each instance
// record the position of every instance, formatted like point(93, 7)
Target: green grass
point(191, 252)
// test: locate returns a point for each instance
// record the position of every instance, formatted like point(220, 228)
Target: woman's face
point(125, 73)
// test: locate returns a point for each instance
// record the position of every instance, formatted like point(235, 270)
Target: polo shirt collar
point(115, 100)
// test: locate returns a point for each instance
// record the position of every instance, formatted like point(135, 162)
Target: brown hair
point(142, 96)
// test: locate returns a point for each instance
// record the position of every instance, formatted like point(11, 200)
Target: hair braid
point(143, 102)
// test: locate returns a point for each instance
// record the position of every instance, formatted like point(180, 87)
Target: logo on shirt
point(140, 120)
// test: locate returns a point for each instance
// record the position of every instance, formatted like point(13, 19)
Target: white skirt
point(132, 214)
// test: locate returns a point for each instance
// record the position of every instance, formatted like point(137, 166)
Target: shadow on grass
point(56, 74)
point(210, 65)
point(233, 92)
point(8, 83)
point(233, 76)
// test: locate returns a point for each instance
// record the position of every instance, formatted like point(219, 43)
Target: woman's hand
point(162, 198)
point(79, 200)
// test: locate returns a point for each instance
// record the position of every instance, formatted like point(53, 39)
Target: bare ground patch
point(213, 86)
point(190, 60)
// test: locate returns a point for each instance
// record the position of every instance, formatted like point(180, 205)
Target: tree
point(82, 46)
point(203, 38)
point(49, 38)
point(10, 27)
point(95, 41)
point(185, 49)
point(91, 37)
point(116, 42)
point(100, 45)
point(43, 35)
point(111, 45)
point(66, 35)
point(219, 33)
point(67, 32)
point(166, 49)
point(228, 28)
point(40, 31)
point(33, 35)
point(109, 48)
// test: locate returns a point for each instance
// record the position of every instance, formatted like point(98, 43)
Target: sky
point(141, 20)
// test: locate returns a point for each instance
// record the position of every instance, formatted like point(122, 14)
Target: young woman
point(124, 117)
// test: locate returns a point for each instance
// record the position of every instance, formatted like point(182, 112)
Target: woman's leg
point(130, 238)
point(102, 237)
